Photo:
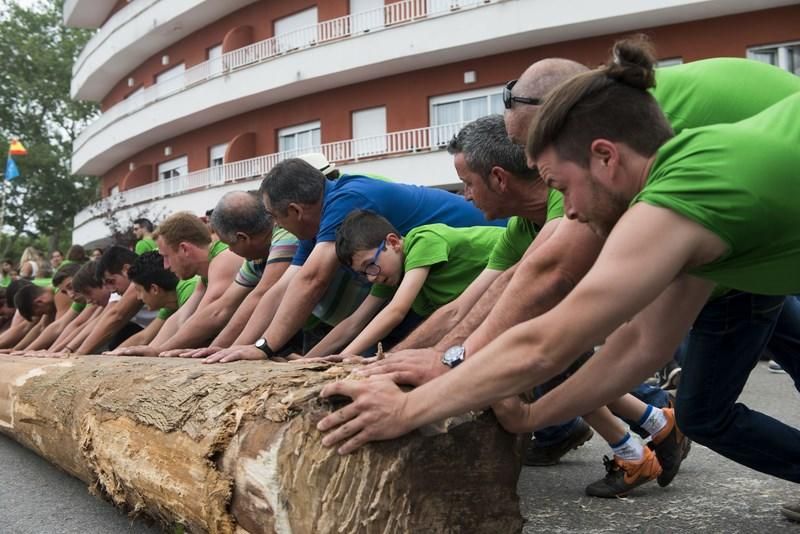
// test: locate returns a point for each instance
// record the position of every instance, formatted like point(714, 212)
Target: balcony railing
point(403, 142)
point(390, 15)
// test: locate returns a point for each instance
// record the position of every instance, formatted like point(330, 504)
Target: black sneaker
point(550, 454)
point(624, 475)
point(671, 447)
point(687, 445)
point(792, 511)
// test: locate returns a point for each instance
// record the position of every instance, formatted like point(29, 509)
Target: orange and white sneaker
point(624, 475)
point(671, 447)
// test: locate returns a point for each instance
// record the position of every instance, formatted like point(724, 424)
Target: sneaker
point(624, 475)
point(671, 447)
point(792, 511)
point(775, 367)
point(688, 445)
point(550, 454)
point(670, 376)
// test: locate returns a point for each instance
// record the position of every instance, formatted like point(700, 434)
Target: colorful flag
point(15, 148)
point(11, 169)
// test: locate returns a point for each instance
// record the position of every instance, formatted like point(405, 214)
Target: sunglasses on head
point(509, 99)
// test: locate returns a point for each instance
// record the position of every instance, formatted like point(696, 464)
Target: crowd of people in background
point(323, 264)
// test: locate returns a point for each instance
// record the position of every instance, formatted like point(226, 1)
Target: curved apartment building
point(199, 97)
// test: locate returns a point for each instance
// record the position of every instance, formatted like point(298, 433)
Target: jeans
point(723, 347)
point(784, 345)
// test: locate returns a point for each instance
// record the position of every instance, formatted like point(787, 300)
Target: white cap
point(318, 161)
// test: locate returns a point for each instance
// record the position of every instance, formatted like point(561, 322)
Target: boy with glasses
point(429, 267)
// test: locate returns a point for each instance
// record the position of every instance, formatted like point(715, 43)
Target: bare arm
point(221, 273)
point(53, 330)
point(145, 336)
point(266, 308)
point(85, 315)
point(305, 290)
point(247, 309)
point(637, 263)
point(33, 333)
point(115, 317)
point(542, 279)
point(445, 319)
point(19, 327)
point(393, 314)
point(347, 330)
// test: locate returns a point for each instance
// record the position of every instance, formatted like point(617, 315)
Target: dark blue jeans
point(723, 347)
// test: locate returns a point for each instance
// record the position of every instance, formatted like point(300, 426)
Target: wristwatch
point(453, 356)
point(263, 346)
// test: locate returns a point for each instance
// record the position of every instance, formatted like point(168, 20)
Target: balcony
point(86, 13)
point(248, 77)
point(423, 161)
point(133, 34)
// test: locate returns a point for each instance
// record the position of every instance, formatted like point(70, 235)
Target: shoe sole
point(777, 371)
point(589, 435)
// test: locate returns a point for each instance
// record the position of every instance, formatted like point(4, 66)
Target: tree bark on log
point(234, 448)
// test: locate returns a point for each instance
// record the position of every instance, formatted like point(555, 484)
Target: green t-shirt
point(520, 233)
point(145, 245)
point(5, 281)
point(43, 282)
point(216, 248)
point(719, 90)
point(456, 256)
point(78, 306)
point(184, 290)
point(739, 181)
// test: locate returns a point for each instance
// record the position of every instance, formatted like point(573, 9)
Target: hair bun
point(633, 63)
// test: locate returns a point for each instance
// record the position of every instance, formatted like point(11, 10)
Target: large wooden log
point(224, 448)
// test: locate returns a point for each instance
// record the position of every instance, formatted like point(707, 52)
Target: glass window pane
point(447, 113)
point(315, 137)
point(794, 59)
point(766, 56)
point(475, 108)
point(496, 103)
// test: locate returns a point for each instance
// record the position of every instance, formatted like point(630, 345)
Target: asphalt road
point(710, 494)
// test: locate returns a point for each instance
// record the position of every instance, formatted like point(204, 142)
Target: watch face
point(453, 356)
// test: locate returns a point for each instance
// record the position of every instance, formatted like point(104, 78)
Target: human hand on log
point(174, 353)
point(376, 413)
point(515, 415)
point(201, 353)
point(413, 367)
point(237, 352)
point(139, 350)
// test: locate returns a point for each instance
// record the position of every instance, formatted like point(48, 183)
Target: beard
point(607, 208)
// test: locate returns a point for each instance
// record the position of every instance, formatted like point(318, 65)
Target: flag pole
point(2, 202)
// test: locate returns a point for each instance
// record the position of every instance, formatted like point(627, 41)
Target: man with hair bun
point(584, 146)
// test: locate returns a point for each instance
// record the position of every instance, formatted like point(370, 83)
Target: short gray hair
point(485, 144)
point(240, 211)
point(293, 181)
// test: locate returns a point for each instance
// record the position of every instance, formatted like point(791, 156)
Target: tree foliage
point(38, 53)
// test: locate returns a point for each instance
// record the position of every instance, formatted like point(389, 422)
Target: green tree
point(38, 53)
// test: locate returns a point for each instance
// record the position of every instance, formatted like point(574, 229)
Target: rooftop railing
point(390, 15)
point(403, 142)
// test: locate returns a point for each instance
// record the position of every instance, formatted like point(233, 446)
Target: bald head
point(537, 80)
point(240, 212)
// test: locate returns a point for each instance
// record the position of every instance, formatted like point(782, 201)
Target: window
point(669, 62)
point(174, 167)
point(299, 139)
point(369, 131)
point(216, 154)
point(785, 56)
point(449, 112)
point(296, 30)
point(366, 15)
point(214, 55)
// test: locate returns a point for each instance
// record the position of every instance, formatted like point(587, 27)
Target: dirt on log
point(234, 448)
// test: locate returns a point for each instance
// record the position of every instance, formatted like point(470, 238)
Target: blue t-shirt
point(405, 206)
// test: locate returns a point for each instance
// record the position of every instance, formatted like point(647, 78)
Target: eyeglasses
point(509, 99)
point(372, 268)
